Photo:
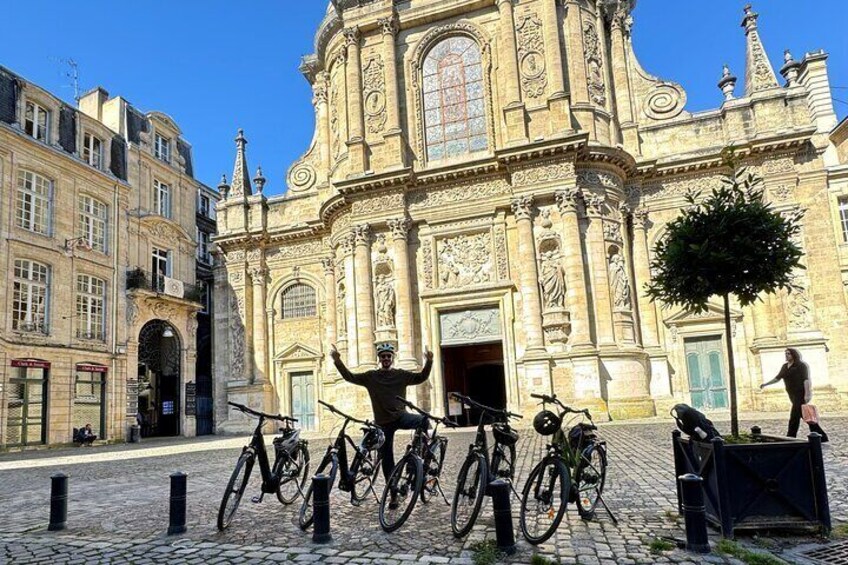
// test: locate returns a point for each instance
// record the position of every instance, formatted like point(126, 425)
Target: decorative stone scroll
point(465, 260)
point(664, 101)
point(531, 56)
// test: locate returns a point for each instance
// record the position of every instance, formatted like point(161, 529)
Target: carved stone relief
point(612, 231)
point(237, 335)
point(296, 250)
point(465, 260)
point(680, 187)
point(374, 86)
point(457, 192)
point(470, 326)
point(384, 281)
point(378, 204)
point(427, 259)
point(531, 56)
point(598, 178)
point(548, 172)
point(501, 252)
point(594, 64)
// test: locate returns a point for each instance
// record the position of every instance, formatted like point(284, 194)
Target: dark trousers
point(795, 420)
point(406, 422)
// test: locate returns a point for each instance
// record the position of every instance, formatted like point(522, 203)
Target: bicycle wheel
point(470, 488)
point(305, 515)
point(589, 479)
point(367, 470)
point(544, 500)
point(401, 492)
point(235, 489)
point(503, 461)
point(433, 467)
point(293, 470)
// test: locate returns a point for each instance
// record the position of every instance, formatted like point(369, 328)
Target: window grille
point(299, 302)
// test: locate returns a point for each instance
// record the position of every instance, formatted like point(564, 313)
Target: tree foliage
point(730, 243)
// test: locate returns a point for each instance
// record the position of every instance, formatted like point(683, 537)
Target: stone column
point(259, 276)
point(347, 247)
point(522, 207)
point(763, 327)
point(620, 31)
point(403, 287)
point(516, 125)
point(356, 117)
point(558, 100)
point(329, 265)
point(322, 116)
point(576, 64)
point(642, 271)
point(575, 277)
point(393, 135)
point(599, 274)
point(364, 294)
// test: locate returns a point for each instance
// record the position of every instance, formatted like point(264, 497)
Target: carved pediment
point(165, 229)
point(298, 352)
point(714, 313)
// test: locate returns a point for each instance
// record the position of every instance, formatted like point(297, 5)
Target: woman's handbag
point(809, 413)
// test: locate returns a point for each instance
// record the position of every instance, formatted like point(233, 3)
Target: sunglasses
point(385, 356)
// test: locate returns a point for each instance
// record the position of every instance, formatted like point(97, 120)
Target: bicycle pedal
point(257, 499)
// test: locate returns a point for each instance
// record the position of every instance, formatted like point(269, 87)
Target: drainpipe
point(115, 281)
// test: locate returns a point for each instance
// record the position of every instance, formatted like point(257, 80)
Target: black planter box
point(773, 483)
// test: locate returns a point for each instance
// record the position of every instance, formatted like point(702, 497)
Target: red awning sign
point(30, 363)
point(83, 368)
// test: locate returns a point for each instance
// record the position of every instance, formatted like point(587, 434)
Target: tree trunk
point(731, 370)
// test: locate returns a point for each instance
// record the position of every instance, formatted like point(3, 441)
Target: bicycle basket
point(581, 434)
point(373, 439)
point(546, 423)
point(287, 441)
point(504, 434)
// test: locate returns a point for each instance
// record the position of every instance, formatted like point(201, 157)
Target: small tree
point(730, 243)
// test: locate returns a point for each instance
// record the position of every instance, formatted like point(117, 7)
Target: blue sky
point(217, 65)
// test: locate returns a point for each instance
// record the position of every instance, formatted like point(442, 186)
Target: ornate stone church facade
point(488, 179)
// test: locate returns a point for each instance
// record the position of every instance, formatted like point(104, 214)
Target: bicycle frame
point(338, 451)
point(270, 483)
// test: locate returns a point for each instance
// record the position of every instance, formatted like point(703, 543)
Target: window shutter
point(8, 98)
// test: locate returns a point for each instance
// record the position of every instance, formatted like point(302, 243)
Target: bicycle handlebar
point(473, 403)
point(246, 410)
point(554, 400)
point(444, 421)
point(338, 412)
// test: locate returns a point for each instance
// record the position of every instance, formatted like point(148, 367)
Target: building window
point(36, 121)
point(161, 268)
point(204, 206)
point(91, 297)
point(454, 105)
point(162, 198)
point(92, 217)
point(92, 150)
point(843, 217)
point(203, 254)
point(89, 395)
point(162, 148)
point(31, 295)
point(33, 202)
point(299, 302)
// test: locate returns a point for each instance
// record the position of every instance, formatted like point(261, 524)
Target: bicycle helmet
point(288, 440)
point(373, 439)
point(546, 423)
point(385, 348)
point(581, 434)
point(504, 434)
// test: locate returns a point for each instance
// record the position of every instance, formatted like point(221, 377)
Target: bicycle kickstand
point(439, 486)
point(607, 508)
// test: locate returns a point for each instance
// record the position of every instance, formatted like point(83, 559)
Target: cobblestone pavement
point(118, 508)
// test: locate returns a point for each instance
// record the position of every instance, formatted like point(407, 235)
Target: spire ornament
point(759, 75)
point(727, 84)
point(224, 187)
point(241, 177)
point(790, 68)
point(259, 180)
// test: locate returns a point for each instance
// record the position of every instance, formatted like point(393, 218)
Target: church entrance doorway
point(159, 379)
point(476, 371)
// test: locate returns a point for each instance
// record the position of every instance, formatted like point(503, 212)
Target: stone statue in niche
point(341, 311)
point(385, 302)
point(552, 280)
point(618, 281)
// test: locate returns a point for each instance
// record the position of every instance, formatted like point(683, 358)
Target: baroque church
point(488, 179)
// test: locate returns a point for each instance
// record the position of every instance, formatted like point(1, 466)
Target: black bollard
point(177, 513)
point(321, 509)
point(504, 533)
point(756, 430)
point(694, 513)
point(58, 502)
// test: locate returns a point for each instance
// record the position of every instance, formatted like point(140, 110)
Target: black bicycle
point(285, 478)
point(358, 478)
point(418, 473)
point(478, 471)
point(574, 470)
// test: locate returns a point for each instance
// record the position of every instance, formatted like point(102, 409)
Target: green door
point(303, 400)
point(26, 406)
point(705, 364)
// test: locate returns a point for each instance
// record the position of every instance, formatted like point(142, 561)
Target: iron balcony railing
point(156, 282)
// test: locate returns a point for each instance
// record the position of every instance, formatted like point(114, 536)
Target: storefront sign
point(30, 363)
point(454, 406)
point(84, 368)
point(132, 398)
point(191, 399)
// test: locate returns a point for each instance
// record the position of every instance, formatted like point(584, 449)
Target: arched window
point(454, 105)
point(299, 301)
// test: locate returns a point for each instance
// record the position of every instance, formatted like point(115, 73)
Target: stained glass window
point(454, 105)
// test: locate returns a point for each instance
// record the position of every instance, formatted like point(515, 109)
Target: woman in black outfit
point(795, 375)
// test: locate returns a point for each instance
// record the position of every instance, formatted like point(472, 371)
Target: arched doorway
point(159, 369)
